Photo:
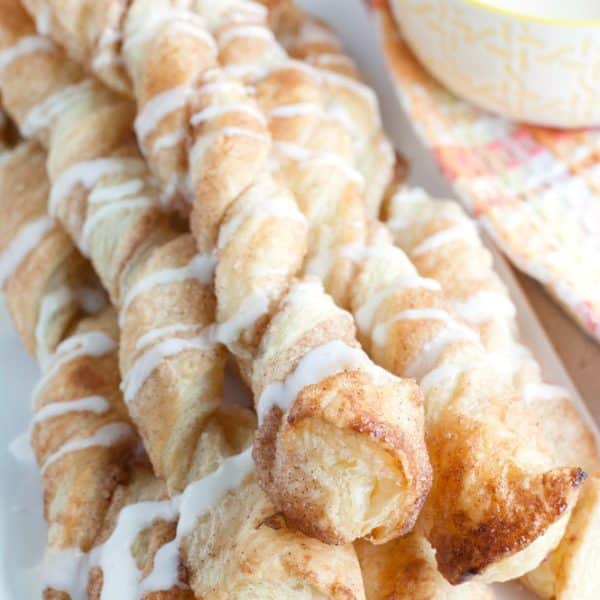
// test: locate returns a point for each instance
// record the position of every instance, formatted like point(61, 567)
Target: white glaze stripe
point(106, 436)
point(42, 115)
point(104, 212)
point(432, 350)
point(201, 268)
point(309, 157)
point(95, 404)
point(26, 45)
point(117, 191)
point(88, 173)
point(286, 111)
point(315, 366)
point(484, 306)
point(158, 107)
point(174, 330)
point(245, 32)
point(145, 365)
point(365, 314)
point(28, 237)
point(68, 570)
point(214, 111)
point(252, 308)
point(441, 238)
point(92, 343)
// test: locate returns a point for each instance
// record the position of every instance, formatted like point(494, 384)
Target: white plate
point(22, 529)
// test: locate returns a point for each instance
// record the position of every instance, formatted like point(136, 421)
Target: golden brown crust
point(405, 569)
point(224, 433)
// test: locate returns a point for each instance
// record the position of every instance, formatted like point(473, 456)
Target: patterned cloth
point(535, 190)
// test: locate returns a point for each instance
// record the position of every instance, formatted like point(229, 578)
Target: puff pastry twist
point(268, 242)
point(114, 530)
point(554, 489)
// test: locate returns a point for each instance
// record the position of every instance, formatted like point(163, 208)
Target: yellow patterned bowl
point(531, 60)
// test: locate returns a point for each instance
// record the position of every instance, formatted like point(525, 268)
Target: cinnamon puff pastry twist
point(267, 248)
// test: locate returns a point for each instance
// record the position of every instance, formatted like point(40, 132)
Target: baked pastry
point(456, 564)
point(85, 445)
point(349, 101)
point(242, 315)
point(405, 569)
point(112, 522)
point(49, 289)
point(485, 452)
point(443, 243)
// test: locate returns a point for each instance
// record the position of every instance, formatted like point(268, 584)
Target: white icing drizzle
point(287, 111)
point(168, 140)
point(95, 404)
point(105, 53)
point(352, 85)
point(441, 238)
point(328, 59)
point(27, 238)
point(365, 314)
point(222, 85)
point(297, 65)
point(313, 33)
point(483, 306)
point(92, 343)
point(68, 570)
point(245, 32)
point(252, 308)
point(26, 45)
point(41, 116)
point(201, 267)
point(214, 111)
point(310, 157)
point(51, 304)
point(542, 391)
point(21, 450)
point(441, 374)
point(158, 107)
point(361, 252)
point(231, 131)
point(380, 333)
point(243, 71)
point(174, 17)
point(145, 365)
point(117, 191)
point(106, 436)
point(88, 173)
point(104, 212)
point(433, 349)
point(174, 330)
point(206, 141)
point(43, 19)
point(192, 29)
point(315, 366)
point(267, 210)
point(201, 496)
point(121, 576)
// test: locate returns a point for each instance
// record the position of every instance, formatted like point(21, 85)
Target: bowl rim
point(483, 5)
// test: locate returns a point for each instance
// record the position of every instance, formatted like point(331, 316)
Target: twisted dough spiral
point(95, 481)
point(332, 254)
point(271, 247)
point(225, 432)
